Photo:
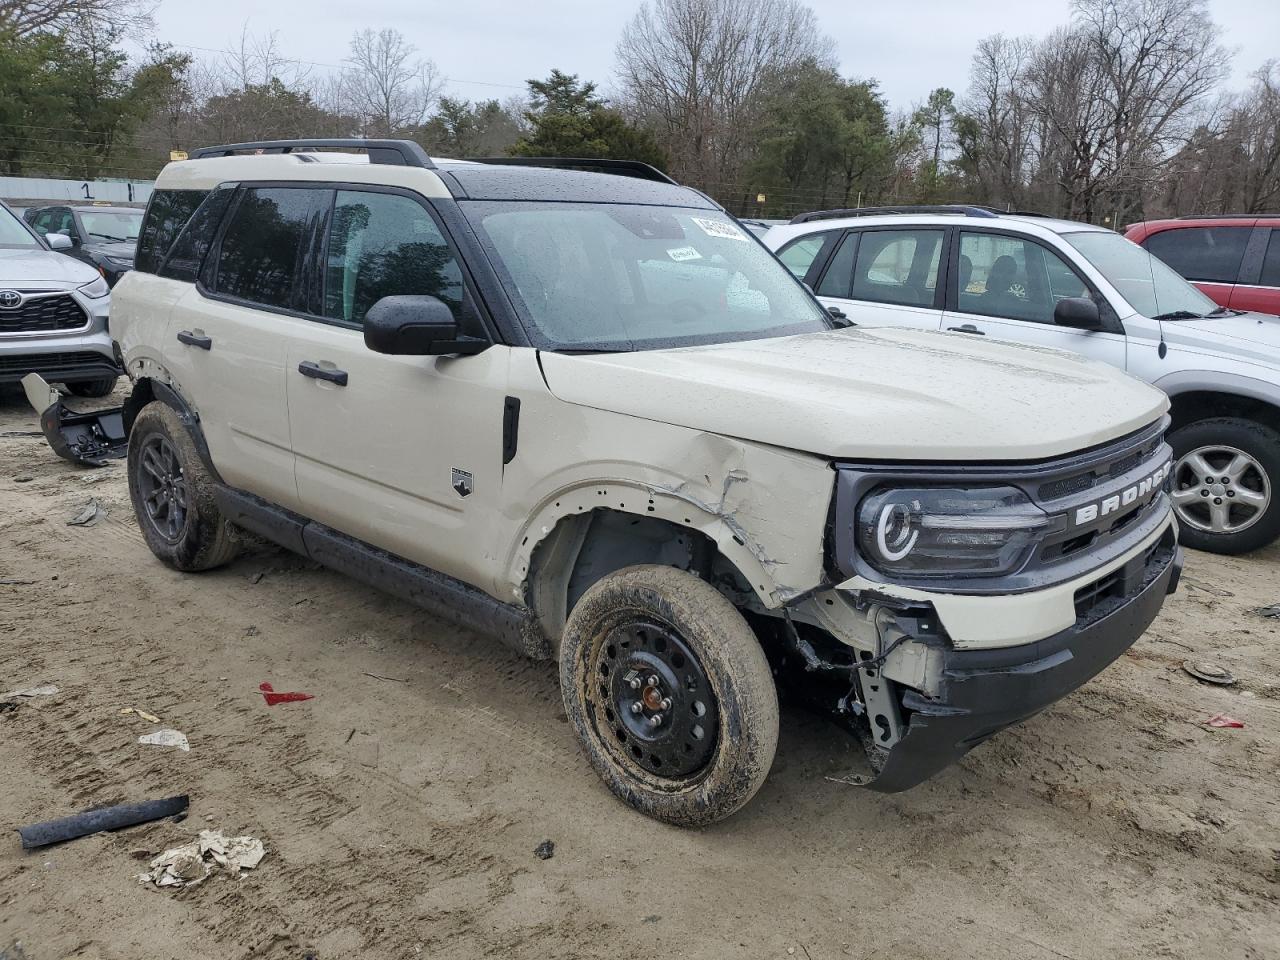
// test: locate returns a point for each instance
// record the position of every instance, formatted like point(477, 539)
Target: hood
point(119, 250)
point(1250, 336)
point(42, 268)
point(875, 394)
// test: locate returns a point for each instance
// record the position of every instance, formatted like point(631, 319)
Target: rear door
point(1259, 286)
point(886, 276)
point(1208, 256)
point(1006, 287)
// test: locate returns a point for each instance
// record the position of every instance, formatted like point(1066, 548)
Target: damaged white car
point(586, 411)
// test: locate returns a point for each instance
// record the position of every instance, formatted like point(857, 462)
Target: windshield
point(112, 225)
point(589, 276)
point(1152, 287)
point(13, 235)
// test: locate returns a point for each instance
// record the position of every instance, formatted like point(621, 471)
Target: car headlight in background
point(96, 289)
point(947, 532)
point(118, 264)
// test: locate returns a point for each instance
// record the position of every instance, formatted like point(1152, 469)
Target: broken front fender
point(91, 438)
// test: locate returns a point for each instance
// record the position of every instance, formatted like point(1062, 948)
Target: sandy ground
point(401, 806)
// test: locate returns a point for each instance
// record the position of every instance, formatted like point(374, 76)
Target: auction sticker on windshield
point(684, 253)
point(718, 228)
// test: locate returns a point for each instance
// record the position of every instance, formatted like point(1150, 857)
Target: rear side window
point(1206, 254)
point(1271, 262)
point(383, 245)
point(264, 246)
point(167, 213)
point(898, 266)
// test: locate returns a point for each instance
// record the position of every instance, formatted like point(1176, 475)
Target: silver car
point(53, 313)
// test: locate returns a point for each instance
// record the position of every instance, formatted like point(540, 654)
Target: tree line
point(1119, 114)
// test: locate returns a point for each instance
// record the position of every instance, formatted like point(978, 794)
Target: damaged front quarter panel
point(92, 439)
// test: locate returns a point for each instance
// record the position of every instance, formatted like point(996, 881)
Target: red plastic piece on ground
point(273, 698)
point(1222, 720)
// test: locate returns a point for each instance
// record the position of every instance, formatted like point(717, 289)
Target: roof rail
point(404, 153)
point(1226, 216)
point(955, 209)
point(623, 168)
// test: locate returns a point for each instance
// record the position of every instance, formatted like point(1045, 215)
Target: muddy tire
point(652, 642)
point(93, 388)
point(1226, 484)
point(172, 494)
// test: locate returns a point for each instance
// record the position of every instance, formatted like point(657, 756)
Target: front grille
point(1088, 479)
point(52, 362)
point(1098, 598)
point(44, 315)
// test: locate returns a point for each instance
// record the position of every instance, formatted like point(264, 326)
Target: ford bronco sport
point(976, 272)
point(585, 410)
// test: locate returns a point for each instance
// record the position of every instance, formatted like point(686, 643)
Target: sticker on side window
point(684, 253)
point(719, 228)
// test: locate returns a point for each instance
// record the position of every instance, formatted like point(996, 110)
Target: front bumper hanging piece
point(92, 439)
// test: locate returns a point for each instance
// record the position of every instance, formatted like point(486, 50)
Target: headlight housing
point(96, 289)
point(118, 263)
point(922, 532)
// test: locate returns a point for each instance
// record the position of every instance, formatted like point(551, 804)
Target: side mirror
point(58, 241)
point(416, 326)
point(1079, 313)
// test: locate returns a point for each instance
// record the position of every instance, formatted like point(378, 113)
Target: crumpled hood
point(42, 268)
point(874, 394)
point(1250, 336)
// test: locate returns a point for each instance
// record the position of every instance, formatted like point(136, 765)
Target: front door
point(403, 452)
point(1006, 287)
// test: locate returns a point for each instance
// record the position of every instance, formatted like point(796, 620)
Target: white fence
point(41, 189)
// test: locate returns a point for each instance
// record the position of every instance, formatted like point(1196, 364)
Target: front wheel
point(93, 388)
point(670, 693)
point(1224, 484)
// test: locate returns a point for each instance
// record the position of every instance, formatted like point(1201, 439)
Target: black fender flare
point(147, 390)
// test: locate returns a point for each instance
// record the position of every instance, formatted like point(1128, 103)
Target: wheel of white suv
point(93, 388)
point(172, 494)
point(1224, 484)
point(670, 694)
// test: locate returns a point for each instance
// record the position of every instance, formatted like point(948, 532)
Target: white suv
point(974, 272)
point(586, 411)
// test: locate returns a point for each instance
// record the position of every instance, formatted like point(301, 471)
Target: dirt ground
point(401, 806)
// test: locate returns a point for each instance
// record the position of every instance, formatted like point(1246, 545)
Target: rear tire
point(93, 388)
point(1226, 484)
point(172, 494)
point(713, 741)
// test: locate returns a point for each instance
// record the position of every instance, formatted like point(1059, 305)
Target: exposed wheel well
point(1203, 404)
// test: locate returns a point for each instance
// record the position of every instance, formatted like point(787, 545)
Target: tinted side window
point(838, 279)
point(898, 266)
point(265, 244)
point(1271, 262)
point(798, 255)
point(167, 213)
point(188, 251)
point(1014, 278)
point(383, 245)
point(1207, 254)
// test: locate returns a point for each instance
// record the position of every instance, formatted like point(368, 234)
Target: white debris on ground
point(166, 738)
point(193, 862)
point(48, 691)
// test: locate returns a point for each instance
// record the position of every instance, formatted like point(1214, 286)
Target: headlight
point(96, 289)
point(939, 532)
point(119, 264)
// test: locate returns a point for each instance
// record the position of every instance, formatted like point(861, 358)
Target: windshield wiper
point(1224, 312)
point(1179, 315)
point(107, 236)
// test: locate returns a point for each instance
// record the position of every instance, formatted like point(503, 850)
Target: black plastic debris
point(96, 821)
point(545, 850)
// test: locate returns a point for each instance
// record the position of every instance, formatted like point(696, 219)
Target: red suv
point(1234, 259)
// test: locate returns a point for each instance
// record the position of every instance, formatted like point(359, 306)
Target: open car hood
point(875, 394)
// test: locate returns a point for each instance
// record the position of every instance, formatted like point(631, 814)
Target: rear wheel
point(1225, 477)
point(93, 388)
point(172, 494)
point(670, 693)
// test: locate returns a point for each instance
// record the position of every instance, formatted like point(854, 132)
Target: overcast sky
point(488, 48)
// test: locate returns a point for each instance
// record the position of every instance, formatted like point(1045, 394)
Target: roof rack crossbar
point(404, 153)
point(961, 210)
point(1227, 216)
point(624, 168)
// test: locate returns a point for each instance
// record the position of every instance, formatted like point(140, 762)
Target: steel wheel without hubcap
point(653, 704)
point(1220, 489)
point(163, 488)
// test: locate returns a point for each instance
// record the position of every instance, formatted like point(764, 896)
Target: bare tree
point(996, 130)
point(391, 89)
point(21, 17)
point(695, 70)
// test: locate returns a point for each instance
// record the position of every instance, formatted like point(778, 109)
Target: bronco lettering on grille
point(1142, 490)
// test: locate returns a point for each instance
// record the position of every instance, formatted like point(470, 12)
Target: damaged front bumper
point(981, 692)
point(92, 439)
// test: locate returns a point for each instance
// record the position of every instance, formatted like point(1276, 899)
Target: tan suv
point(585, 410)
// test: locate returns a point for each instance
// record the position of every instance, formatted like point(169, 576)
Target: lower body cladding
point(922, 703)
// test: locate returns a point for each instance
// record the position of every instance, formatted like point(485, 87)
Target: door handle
point(968, 328)
point(309, 368)
point(195, 339)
